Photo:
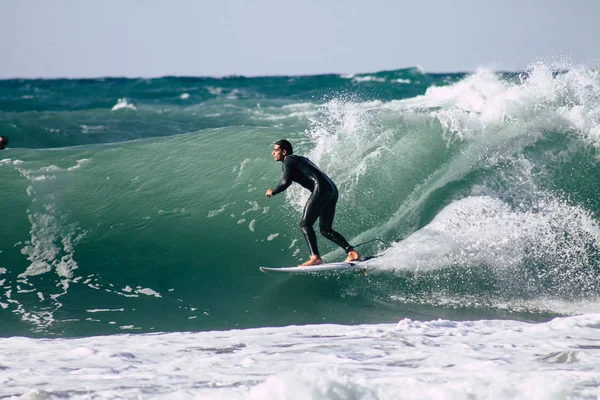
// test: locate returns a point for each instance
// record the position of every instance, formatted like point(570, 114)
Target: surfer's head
point(281, 149)
point(3, 142)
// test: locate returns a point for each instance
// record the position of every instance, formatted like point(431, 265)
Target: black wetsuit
point(321, 202)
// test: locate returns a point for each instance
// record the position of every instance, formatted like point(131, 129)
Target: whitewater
point(136, 218)
point(439, 359)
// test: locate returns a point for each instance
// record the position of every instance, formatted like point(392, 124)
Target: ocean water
point(135, 219)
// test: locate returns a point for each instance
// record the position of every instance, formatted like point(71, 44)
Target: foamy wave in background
point(543, 98)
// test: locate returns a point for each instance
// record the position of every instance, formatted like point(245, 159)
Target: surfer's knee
point(304, 227)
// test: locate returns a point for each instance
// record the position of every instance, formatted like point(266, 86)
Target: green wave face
point(151, 216)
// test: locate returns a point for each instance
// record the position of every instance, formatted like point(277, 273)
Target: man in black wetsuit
point(321, 202)
point(3, 142)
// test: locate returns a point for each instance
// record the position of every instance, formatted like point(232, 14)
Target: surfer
point(320, 204)
point(3, 142)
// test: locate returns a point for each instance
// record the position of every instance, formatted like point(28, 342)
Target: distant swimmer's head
point(3, 142)
point(281, 149)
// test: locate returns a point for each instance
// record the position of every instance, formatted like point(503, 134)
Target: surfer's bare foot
point(314, 260)
point(352, 256)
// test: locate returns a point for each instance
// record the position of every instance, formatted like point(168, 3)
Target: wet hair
point(4, 142)
point(285, 145)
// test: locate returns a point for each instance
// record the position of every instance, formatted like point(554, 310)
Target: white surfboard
point(360, 264)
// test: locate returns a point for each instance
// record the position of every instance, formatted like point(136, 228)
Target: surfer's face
point(278, 153)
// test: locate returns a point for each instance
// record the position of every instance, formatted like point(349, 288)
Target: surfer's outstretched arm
point(286, 179)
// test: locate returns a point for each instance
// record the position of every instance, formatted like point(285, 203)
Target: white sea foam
point(481, 230)
point(8, 161)
point(234, 94)
point(299, 107)
point(48, 229)
point(255, 207)
point(79, 164)
point(214, 213)
point(411, 359)
point(483, 101)
point(123, 104)
point(241, 168)
point(88, 129)
point(147, 292)
point(279, 114)
point(214, 90)
point(367, 78)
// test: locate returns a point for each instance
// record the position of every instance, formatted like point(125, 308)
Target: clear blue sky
point(93, 38)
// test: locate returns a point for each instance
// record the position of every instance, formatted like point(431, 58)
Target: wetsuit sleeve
point(286, 179)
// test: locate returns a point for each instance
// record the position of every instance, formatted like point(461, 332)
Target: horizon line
point(227, 76)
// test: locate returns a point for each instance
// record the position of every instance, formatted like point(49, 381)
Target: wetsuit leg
point(326, 224)
point(312, 210)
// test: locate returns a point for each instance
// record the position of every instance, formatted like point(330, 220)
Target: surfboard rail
point(337, 266)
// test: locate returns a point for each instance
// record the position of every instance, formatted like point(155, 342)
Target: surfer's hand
point(269, 192)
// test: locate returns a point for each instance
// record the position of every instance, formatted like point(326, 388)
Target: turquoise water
point(138, 205)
